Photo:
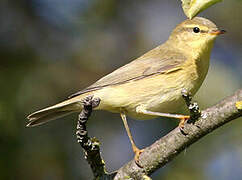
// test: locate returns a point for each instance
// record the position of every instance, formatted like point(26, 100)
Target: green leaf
point(192, 7)
point(239, 105)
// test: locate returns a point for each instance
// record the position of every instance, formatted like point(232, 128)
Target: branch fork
point(165, 149)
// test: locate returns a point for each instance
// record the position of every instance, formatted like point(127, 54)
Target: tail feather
point(53, 112)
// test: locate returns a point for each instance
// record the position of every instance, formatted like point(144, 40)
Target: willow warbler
point(151, 85)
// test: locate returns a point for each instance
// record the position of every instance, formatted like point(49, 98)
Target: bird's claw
point(136, 156)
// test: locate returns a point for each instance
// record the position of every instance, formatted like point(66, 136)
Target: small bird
point(151, 85)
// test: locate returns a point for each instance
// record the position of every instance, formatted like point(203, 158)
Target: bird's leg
point(136, 150)
point(182, 118)
point(193, 108)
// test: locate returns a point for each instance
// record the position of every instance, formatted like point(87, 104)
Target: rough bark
point(165, 149)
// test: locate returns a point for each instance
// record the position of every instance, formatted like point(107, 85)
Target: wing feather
point(159, 60)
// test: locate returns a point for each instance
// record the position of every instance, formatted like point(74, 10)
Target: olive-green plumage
point(153, 81)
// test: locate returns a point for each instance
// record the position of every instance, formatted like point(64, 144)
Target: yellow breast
point(160, 93)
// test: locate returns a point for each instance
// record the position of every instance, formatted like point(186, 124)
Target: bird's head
point(197, 33)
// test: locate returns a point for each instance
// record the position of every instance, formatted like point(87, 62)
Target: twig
point(91, 146)
point(193, 107)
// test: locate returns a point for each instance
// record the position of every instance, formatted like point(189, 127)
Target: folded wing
point(158, 60)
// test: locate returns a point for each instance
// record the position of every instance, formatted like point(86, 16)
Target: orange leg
point(136, 150)
point(183, 118)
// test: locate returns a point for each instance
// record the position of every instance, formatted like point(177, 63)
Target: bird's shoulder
point(162, 59)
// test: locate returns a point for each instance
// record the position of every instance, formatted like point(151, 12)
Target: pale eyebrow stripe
point(194, 25)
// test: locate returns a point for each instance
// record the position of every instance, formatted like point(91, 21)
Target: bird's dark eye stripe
point(192, 29)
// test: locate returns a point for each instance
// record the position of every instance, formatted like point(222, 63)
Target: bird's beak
point(217, 32)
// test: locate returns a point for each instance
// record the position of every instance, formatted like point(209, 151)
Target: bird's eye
point(196, 30)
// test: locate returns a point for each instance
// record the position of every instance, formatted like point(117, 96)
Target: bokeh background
point(51, 49)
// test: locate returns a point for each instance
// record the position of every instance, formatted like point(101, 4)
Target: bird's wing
point(158, 60)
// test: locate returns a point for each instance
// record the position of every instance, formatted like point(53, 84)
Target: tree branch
point(91, 146)
point(165, 149)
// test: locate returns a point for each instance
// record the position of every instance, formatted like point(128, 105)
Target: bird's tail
point(59, 110)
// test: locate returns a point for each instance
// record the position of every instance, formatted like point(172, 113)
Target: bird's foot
point(137, 153)
point(182, 122)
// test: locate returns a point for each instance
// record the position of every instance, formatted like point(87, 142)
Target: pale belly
point(159, 93)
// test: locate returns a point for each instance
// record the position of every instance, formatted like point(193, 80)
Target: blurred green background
point(51, 49)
